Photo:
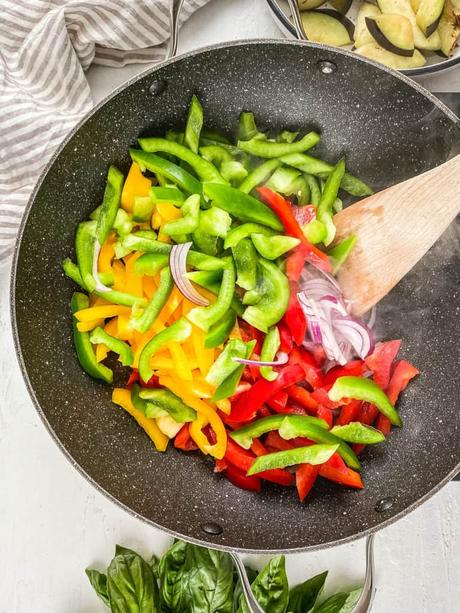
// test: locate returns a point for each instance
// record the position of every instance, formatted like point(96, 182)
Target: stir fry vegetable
point(207, 275)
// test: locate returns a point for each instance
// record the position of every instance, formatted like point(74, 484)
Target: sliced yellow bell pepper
point(200, 387)
point(183, 369)
point(97, 301)
point(101, 352)
point(135, 185)
point(133, 282)
point(102, 312)
point(106, 255)
point(169, 309)
point(150, 286)
point(111, 327)
point(118, 269)
point(167, 211)
point(122, 397)
point(86, 326)
point(156, 220)
point(205, 357)
point(205, 415)
point(236, 332)
point(145, 338)
point(224, 405)
point(124, 330)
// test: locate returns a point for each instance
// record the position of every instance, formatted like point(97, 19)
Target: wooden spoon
point(395, 228)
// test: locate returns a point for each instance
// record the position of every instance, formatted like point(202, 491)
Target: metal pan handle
point(175, 9)
point(252, 603)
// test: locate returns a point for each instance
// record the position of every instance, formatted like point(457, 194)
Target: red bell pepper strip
point(355, 368)
point(292, 409)
point(383, 424)
point(305, 477)
point(243, 460)
point(183, 440)
point(286, 343)
point(283, 209)
point(381, 361)
point(303, 397)
point(251, 401)
point(326, 414)
point(368, 415)
point(402, 374)
point(295, 262)
point(294, 317)
point(306, 360)
point(348, 477)
point(349, 412)
point(133, 378)
point(278, 401)
point(264, 411)
point(220, 465)
point(321, 396)
point(304, 214)
point(257, 448)
point(243, 386)
point(274, 440)
point(240, 479)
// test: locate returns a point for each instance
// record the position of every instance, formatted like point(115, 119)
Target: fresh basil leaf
point(270, 588)
point(351, 601)
point(196, 580)
point(131, 585)
point(303, 597)
point(252, 574)
point(99, 582)
point(154, 564)
point(120, 550)
point(333, 604)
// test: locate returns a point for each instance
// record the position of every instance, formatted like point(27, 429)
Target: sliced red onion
point(100, 287)
point(178, 265)
point(353, 330)
point(372, 317)
point(282, 358)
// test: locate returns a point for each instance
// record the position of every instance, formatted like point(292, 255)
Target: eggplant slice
point(322, 27)
point(373, 51)
point(428, 15)
point(404, 8)
point(449, 27)
point(362, 35)
point(392, 32)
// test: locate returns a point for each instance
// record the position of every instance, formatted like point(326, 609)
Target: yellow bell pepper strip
point(133, 282)
point(111, 327)
point(110, 204)
point(267, 149)
point(106, 255)
point(224, 405)
point(150, 286)
point(243, 231)
point(204, 169)
point(225, 364)
point(135, 185)
point(194, 124)
point(179, 357)
point(101, 352)
point(124, 329)
point(201, 388)
point(272, 247)
point(205, 415)
point(87, 326)
point(165, 168)
point(168, 211)
point(169, 402)
point(150, 263)
point(367, 390)
point(143, 323)
point(83, 347)
point(205, 317)
point(220, 332)
point(204, 356)
point(179, 331)
point(101, 312)
point(188, 222)
point(118, 269)
point(314, 454)
point(122, 397)
point(124, 351)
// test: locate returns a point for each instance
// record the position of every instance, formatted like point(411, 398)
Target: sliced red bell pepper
point(348, 477)
point(133, 378)
point(286, 342)
point(243, 386)
point(274, 440)
point(305, 477)
point(257, 448)
point(336, 461)
point(249, 333)
point(383, 424)
point(220, 465)
point(294, 317)
point(402, 374)
point(241, 480)
point(326, 414)
point(319, 353)
point(303, 397)
point(183, 440)
point(295, 262)
point(354, 368)
point(283, 209)
point(306, 360)
point(348, 413)
point(264, 411)
point(250, 402)
point(381, 360)
point(304, 214)
point(322, 397)
point(278, 401)
point(368, 415)
point(243, 459)
point(292, 409)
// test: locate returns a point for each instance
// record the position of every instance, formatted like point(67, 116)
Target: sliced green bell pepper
point(167, 194)
point(245, 258)
point(216, 154)
point(136, 400)
point(358, 433)
point(245, 230)
point(361, 388)
point(324, 211)
point(340, 252)
point(314, 454)
point(143, 207)
point(225, 364)
point(72, 271)
point(315, 231)
point(169, 402)
point(123, 223)
point(259, 175)
point(207, 279)
point(268, 149)
point(244, 436)
point(98, 335)
point(83, 347)
point(84, 248)
point(228, 387)
point(247, 128)
point(286, 136)
point(110, 204)
point(150, 264)
point(204, 242)
point(194, 124)
point(159, 299)
point(190, 218)
point(315, 191)
point(241, 205)
point(218, 334)
point(177, 332)
point(234, 172)
point(271, 247)
point(268, 353)
point(165, 168)
point(215, 221)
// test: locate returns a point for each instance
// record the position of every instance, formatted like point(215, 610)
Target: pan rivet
point(212, 528)
point(158, 87)
point(384, 505)
point(327, 67)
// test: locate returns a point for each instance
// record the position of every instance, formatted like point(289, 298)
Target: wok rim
point(13, 319)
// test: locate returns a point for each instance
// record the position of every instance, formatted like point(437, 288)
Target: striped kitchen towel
point(45, 48)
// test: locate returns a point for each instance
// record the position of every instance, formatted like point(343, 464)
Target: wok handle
point(175, 9)
point(252, 603)
point(297, 19)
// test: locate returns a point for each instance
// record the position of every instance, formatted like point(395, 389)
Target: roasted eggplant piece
point(322, 27)
point(392, 32)
point(404, 8)
point(449, 27)
point(342, 6)
point(306, 5)
point(362, 35)
point(374, 52)
point(428, 14)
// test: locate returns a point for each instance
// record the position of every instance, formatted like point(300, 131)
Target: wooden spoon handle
point(395, 228)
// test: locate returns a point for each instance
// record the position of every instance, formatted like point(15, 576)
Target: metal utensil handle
point(298, 24)
point(252, 603)
point(175, 9)
point(364, 603)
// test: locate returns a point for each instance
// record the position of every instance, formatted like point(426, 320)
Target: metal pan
point(389, 129)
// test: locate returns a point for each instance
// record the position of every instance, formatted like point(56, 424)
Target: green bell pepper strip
point(137, 401)
point(84, 247)
point(340, 252)
point(244, 230)
point(284, 180)
point(338, 205)
point(120, 250)
point(228, 387)
point(122, 298)
point(177, 332)
point(360, 388)
point(314, 454)
point(356, 432)
point(205, 317)
point(219, 333)
point(216, 136)
point(267, 149)
point(203, 278)
point(150, 264)
point(204, 242)
point(123, 223)
point(83, 347)
point(206, 141)
point(159, 299)
point(324, 211)
point(244, 436)
point(167, 194)
point(95, 214)
point(273, 304)
point(110, 204)
point(215, 221)
point(169, 402)
point(216, 154)
point(294, 426)
point(165, 168)
point(204, 169)
point(234, 172)
point(143, 207)
point(313, 166)
point(259, 175)
point(176, 137)
point(98, 335)
point(286, 136)
point(245, 258)
point(272, 247)
point(247, 128)
point(194, 124)
point(242, 206)
point(315, 231)
point(225, 364)
point(189, 221)
point(315, 192)
point(72, 271)
point(268, 352)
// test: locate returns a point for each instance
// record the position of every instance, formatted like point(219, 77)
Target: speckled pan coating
point(389, 130)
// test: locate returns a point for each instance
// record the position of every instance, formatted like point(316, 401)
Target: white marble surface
point(53, 524)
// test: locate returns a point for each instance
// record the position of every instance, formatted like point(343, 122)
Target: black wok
point(389, 129)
